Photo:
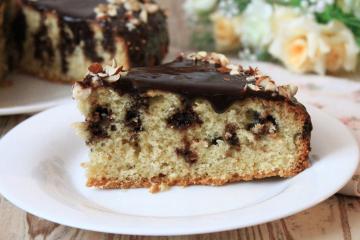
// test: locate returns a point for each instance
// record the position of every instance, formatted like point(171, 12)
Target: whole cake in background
point(196, 120)
point(3, 51)
point(58, 39)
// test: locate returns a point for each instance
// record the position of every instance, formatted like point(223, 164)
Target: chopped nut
point(107, 73)
point(212, 58)
point(232, 66)
point(201, 54)
point(253, 87)
point(113, 78)
point(130, 26)
point(116, 1)
point(151, 7)
point(234, 69)
point(250, 78)
point(287, 91)
point(132, 5)
point(223, 60)
point(293, 89)
point(143, 16)
point(219, 58)
point(102, 74)
point(112, 10)
point(134, 21)
point(114, 63)
point(95, 68)
point(110, 70)
point(154, 188)
point(234, 72)
point(105, 10)
point(266, 83)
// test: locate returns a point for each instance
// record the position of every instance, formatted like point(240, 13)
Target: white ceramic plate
point(28, 94)
point(40, 172)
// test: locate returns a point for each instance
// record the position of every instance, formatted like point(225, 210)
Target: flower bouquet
point(320, 36)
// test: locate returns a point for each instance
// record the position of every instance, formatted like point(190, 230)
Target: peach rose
point(224, 33)
point(343, 49)
point(299, 46)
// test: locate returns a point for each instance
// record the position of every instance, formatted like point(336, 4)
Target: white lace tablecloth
point(337, 96)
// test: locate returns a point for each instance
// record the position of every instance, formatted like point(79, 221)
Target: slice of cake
point(196, 120)
point(58, 39)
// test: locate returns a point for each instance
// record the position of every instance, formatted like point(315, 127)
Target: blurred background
point(305, 36)
point(179, 29)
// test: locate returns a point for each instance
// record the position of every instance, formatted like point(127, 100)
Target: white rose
point(350, 6)
point(282, 15)
point(345, 5)
point(299, 46)
point(356, 8)
point(255, 25)
point(197, 7)
point(343, 49)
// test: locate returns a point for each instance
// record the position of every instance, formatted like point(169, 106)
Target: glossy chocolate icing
point(192, 79)
point(218, 82)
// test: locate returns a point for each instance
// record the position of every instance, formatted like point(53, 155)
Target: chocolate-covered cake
point(196, 120)
point(58, 39)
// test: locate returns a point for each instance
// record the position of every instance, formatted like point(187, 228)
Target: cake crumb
point(156, 187)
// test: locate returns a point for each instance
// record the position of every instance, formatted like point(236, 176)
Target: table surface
point(336, 218)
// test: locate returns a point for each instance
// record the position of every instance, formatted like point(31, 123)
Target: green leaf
point(242, 4)
point(203, 40)
point(357, 39)
point(332, 12)
point(294, 3)
point(264, 55)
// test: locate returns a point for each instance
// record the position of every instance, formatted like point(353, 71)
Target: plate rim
point(168, 232)
point(33, 107)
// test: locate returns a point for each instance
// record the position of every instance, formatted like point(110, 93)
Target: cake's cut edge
point(157, 184)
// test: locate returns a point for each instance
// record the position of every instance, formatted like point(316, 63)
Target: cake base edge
point(155, 184)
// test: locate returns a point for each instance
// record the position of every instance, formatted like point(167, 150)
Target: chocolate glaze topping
point(202, 75)
point(192, 79)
